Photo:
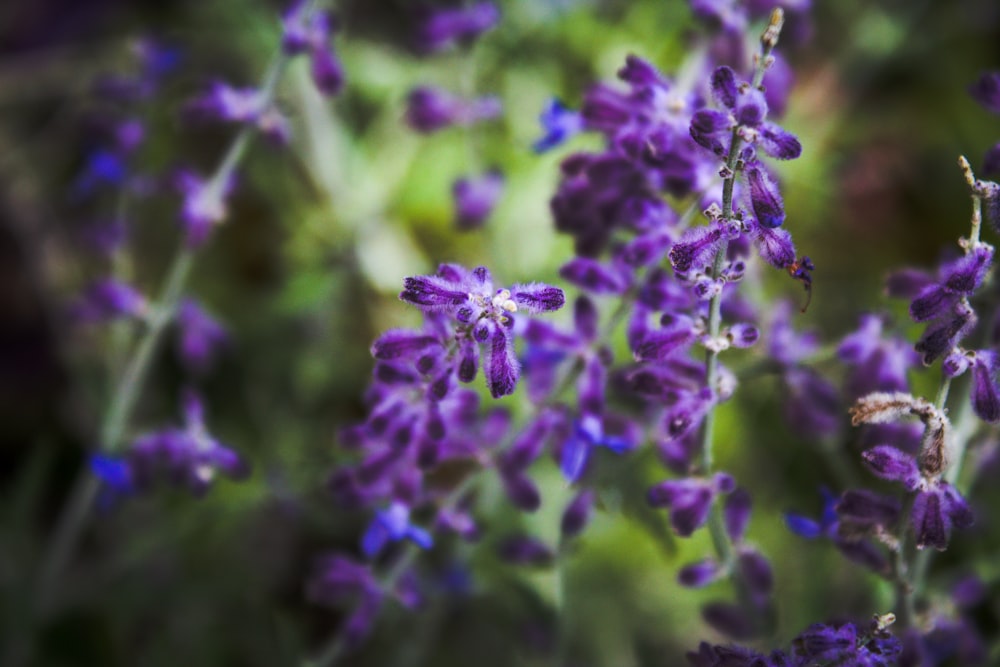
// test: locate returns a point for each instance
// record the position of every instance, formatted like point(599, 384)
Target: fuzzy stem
point(716, 523)
point(76, 509)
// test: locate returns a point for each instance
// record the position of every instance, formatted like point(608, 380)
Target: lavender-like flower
point(309, 32)
point(431, 109)
point(443, 28)
point(482, 315)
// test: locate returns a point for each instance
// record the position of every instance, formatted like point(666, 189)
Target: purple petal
point(502, 369)
point(538, 297)
point(724, 87)
point(893, 464)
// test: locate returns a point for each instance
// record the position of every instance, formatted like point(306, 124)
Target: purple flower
point(936, 510)
point(201, 335)
point(109, 299)
point(986, 91)
point(204, 205)
point(845, 645)
point(188, 456)
point(392, 525)
point(559, 123)
point(242, 105)
point(588, 433)
point(442, 28)
point(879, 363)
point(309, 32)
point(475, 198)
point(689, 500)
point(483, 314)
point(337, 580)
point(576, 515)
point(431, 109)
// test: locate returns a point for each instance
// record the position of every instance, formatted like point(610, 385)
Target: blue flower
point(559, 123)
point(393, 525)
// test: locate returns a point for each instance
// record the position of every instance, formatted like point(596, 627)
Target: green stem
point(716, 523)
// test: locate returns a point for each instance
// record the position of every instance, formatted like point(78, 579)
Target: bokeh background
point(306, 272)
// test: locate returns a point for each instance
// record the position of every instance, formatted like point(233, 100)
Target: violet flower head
point(483, 315)
point(431, 109)
point(559, 124)
point(475, 198)
point(393, 525)
point(442, 28)
point(188, 456)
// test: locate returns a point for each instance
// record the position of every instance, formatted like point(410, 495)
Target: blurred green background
point(306, 272)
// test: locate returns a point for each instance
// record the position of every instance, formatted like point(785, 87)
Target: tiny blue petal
point(559, 124)
point(374, 538)
point(113, 472)
point(575, 454)
point(420, 537)
point(803, 526)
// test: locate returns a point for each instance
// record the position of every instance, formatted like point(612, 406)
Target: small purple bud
point(775, 246)
point(736, 514)
point(538, 297)
point(893, 464)
point(867, 508)
point(756, 573)
point(577, 514)
point(502, 369)
point(327, 72)
point(985, 393)
point(751, 108)
point(522, 491)
point(397, 343)
point(743, 335)
point(724, 87)
point(697, 575)
point(524, 550)
point(764, 197)
point(779, 143)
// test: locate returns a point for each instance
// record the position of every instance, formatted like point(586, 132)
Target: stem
point(76, 510)
point(716, 523)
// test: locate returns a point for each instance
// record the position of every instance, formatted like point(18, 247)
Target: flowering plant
point(523, 377)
